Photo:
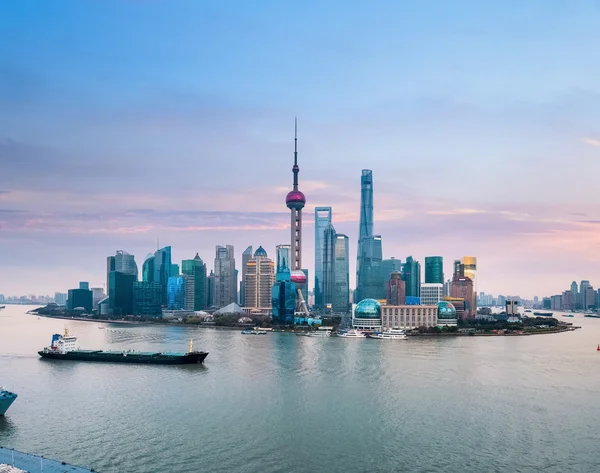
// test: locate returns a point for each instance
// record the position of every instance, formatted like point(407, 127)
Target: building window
point(395, 311)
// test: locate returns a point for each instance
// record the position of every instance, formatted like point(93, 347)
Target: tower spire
point(296, 168)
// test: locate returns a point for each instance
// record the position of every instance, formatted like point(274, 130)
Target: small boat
point(391, 334)
point(254, 332)
point(319, 334)
point(101, 328)
point(592, 316)
point(569, 315)
point(353, 333)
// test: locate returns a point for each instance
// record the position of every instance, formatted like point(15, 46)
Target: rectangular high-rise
point(411, 274)
point(322, 222)
point(225, 276)
point(196, 268)
point(341, 274)
point(283, 258)
point(327, 273)
point(260, 278)
point(434, 270)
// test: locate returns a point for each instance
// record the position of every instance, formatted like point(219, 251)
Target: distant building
point(411, 273)
point(190, 287)
point(283, 257)
point(434, 270)
point(327, 266)
point(120, 296)
point(547, 303)
point(197, 269)
point(283, 298)
point(60, 298)
point(396, 290)
point(157, 268)
point(389, 266)
point(79, 298)
point(323, 221)
point(341, 274)
point(366, 315)
point(122, 262)
point(260, 277)
point(568, 300)
point(225, 277)
point(512, 307)
point(246, 256)
point(97, 296)
point(176, 293)
point(462, 288)
point(174, 270)
point(210, 289)
point(147, 298)
point(460, 306)
point(556, 302)
point(84, 285)
point(447, 315)
point(431, 293)
point(470, 269)
point(409, 317)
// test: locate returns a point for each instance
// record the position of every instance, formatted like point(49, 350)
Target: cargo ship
point(64, 347)
point(6, 399)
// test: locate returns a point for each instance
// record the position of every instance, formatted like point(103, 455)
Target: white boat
point(319, 334)
point(390, 334)
point(353, 333)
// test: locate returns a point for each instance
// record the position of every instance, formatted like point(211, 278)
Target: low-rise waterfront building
point(366, 316)
point(409, 317)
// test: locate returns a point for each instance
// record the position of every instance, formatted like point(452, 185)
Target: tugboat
point(6, 399)
point(64, 347)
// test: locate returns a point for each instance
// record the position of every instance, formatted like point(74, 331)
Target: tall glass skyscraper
point(341, 274)
point(369, 283)
point(225, 276)
point(283, 257)
point(125, 263)
point(411, 274)
point(196, 268)
point(322, 222)
point(328, 261)
point(389, 266)
point(176, 293)
point(162, 269)
point(434, 270)
point(246, 256)
point(120, 295)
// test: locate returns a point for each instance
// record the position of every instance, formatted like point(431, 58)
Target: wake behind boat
point(64, 347)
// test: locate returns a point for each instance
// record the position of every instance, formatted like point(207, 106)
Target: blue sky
point(127, 121)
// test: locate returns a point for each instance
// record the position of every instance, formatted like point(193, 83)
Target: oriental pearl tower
point(295, 201)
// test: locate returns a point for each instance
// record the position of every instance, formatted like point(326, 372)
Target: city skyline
point(108, 152)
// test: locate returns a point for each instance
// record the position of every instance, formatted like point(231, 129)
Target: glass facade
point(366, 204)
point(147, 299)
point(174, 270)
point(434, 270)
point(283, 257)
point(162, 269)
point(120, 293)
point(446, 310)
point(246, 256)
point(328, 261)
point(322, 223)
point(196, 268)
point(389, 266)
point(176, 293)
point(411, 274)
point(341, 274)
point(148, 269)
point(283, 301)
point(367, 309)
point(79, 298)
point(125, 263)
point(225, 276)
point(369, 281)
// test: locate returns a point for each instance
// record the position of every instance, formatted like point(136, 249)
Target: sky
point(127, 123)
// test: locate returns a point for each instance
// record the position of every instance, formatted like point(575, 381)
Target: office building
point(431, 293)
point(120, 296)
point(210, 289)
point(84, 285)
point(283, 257)
point(110, 266)
point(195, 267)
point(369, 280)
point(174, 270)
point(322, 223)
point(190, 288)
point(176, 293)
point(411, 273)
point(60, 298)
point(97, 296)
point(79, 298)
point(246, 256)
point(147, 298)
point(469, 268)
point(125, 263)
point(327, 269)
point(396, 289)
point(568, 300)
point(389, 266)
point(225, 290)
point(260, 278)
point(556, 302)
point(434, 270)
point(157, 268)
point(341, 274)
point(462, 288)
point(409, 317)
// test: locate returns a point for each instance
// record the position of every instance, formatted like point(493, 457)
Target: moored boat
point(390, 334)
point(352, 333)
point(6, 399)
point(254, 332)
point(64, 347)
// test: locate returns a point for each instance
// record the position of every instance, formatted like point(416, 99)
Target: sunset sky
point(124, 122)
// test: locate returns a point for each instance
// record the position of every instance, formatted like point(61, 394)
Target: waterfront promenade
point(35, 464)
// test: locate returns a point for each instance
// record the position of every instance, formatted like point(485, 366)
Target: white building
point(431, 293)
point(409, 317)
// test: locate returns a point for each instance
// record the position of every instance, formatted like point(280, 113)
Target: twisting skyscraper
point(295, 201)
point(369, 281)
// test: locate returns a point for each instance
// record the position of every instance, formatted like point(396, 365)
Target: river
point(281, 403)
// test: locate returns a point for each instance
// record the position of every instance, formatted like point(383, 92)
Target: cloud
point(591, 141)
point(456, 212)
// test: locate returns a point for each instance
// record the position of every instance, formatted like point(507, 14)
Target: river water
point(281, 403)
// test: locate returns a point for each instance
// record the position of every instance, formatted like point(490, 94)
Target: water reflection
point(7, 427)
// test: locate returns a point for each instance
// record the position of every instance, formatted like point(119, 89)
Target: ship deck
point(27, 462)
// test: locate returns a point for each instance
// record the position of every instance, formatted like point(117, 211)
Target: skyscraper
point(110, 266)
point(388, 266)
point(120, 295)
point(246, 256)
point(462, 288)
point(369, 282)
point(174, 270)
point(125, 263)
point(283, 257)
point(210, 289)
point(411, 274)
point(148, 269)
point(295, 201)
point(225, 278)
point(328, 262)
point(434, 270)
point(260, 277)
point(162, 269)
point(341, 275)
point(176, 293)
point(322, 222)
point(197, 269)
point(147, 298)
point(396, 289)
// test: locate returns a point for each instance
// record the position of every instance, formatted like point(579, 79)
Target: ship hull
point(5, 403)
point(138, 358)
